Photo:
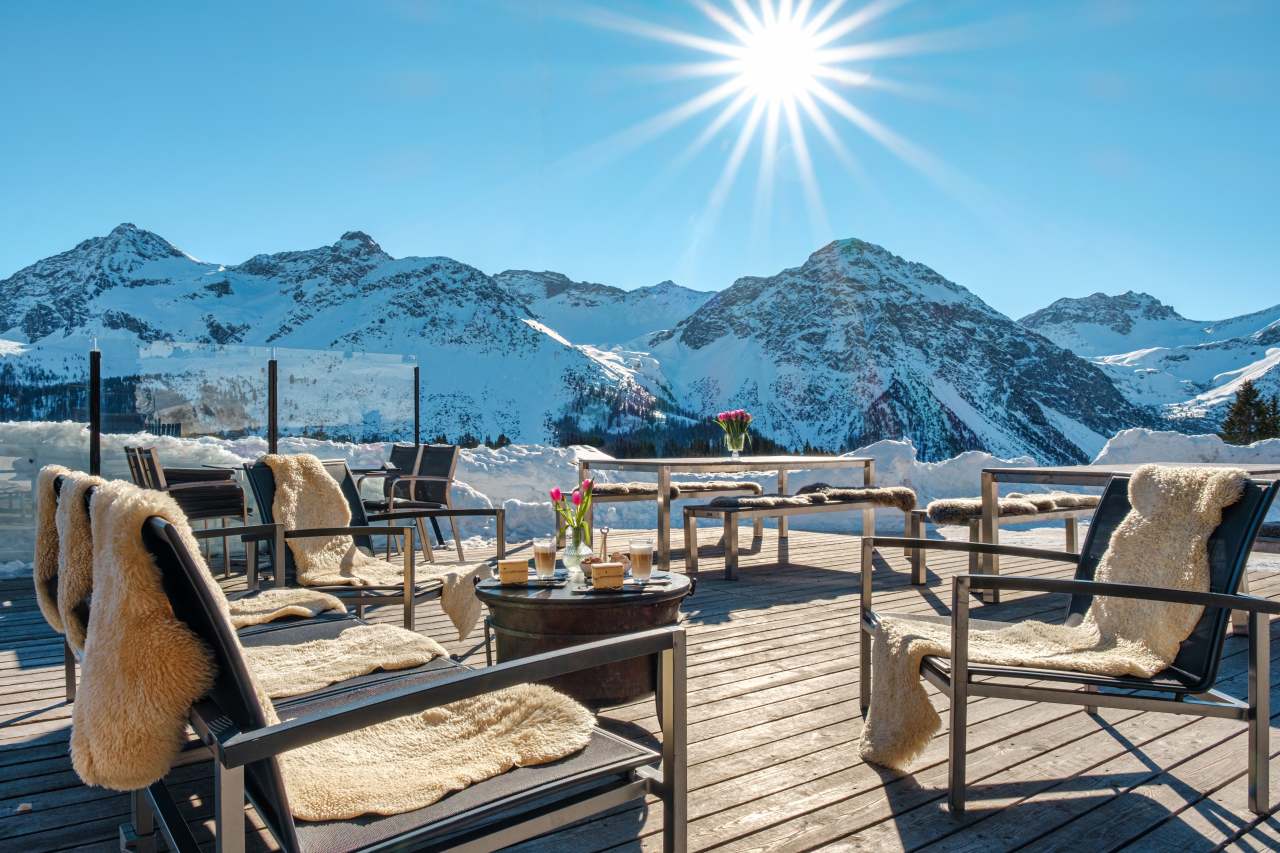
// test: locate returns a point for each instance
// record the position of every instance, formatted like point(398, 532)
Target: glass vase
point(577, 548)
point(735, 443)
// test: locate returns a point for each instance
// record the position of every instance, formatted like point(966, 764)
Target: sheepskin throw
point(695, 487)
point(818, 494)
point(144, 668)
point(307, 497)
point(45, 573)
point(291, 670)
point(964, 510)
point(268, 605)
point(75, 556)
point(1161, 543)
point(411, 762)
point(628, 490)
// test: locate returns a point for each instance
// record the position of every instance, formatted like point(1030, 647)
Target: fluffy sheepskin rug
point(291, 670)
point(1161, 542)
point(818, 494)
point(307, 497)
point(75, 556)
point(411, 762)
point(45, 572)
point(268, 605)
point(963, 510)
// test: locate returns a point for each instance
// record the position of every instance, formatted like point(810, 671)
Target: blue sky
point(1081, 145)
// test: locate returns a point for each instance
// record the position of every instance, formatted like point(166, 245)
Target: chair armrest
point(978, 547)
point(379, 530)
point(1122, 590)
point(235, 747)
point(252, 533)
point(443, 512)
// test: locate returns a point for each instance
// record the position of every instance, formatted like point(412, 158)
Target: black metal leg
point(435, 525)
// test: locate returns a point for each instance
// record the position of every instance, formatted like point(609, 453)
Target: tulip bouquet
point(735, 424)
point(573, 512)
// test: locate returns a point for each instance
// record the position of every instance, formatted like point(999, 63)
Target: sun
point(781, 69)
point(779, 62)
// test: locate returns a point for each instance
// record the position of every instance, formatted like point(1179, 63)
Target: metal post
point(1259, 712)
point(273, 424)
point(95, 409)
point(417, 399)
point(228, 808)
point(674, 722)
point(959, 695)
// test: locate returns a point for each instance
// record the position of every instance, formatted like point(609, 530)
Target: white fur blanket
point(268, 605)
point(75, 556)
point(45, 570)
point(307, 497)
point(1161, 543)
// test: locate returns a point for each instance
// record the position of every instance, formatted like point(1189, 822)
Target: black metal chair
point(1185, 687)
point(520, 804)
point(204, 494)
point(263, 485)
point(420, 477)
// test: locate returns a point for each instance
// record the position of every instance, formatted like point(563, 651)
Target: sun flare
point(783, 68)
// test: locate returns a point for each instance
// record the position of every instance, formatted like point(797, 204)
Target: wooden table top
point(1080, 474)
point(684, 462)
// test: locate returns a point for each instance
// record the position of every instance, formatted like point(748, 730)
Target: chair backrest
point(232, 693)
point(262, 482)
point(426, 460)
point(135, 466)
point(1229, 546)
point(146, 469)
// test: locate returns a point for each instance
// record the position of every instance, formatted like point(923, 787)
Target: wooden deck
point(773, 727)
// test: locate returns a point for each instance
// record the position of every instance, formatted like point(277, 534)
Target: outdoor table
point(664, 467)
point(529, 620)
point(1076, 475)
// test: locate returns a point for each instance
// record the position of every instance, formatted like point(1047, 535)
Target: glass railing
point(345, 396)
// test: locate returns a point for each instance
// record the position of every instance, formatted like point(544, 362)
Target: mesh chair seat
point(605, 762)
point(215, 499)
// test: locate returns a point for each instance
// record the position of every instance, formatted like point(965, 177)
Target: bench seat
point(809, 501)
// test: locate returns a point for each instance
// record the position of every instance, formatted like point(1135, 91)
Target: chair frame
point(233, 746)
point(958, 684)
point(446, 511)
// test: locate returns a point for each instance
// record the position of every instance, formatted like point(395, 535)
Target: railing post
point(95, 409)
point(273, 424)
point(417, 399)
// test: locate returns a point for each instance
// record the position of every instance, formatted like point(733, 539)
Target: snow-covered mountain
point(1185, 370)
point(853, 346)
point(489, 366)
point(598, 314)
point(858, 344)
point(1099, 324)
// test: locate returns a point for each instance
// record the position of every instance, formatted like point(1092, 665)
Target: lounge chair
point(1185, 687)
point(263, 485)
point(522, 803)
point(420, 477)
point(204, 494)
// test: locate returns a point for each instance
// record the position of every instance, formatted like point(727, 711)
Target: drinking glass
point(641, 559)
point(544, 558)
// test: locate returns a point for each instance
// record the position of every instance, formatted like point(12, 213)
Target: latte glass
point(642, 559)
point(544, 558)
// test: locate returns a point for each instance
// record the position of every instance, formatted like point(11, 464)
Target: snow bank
point(518, 476)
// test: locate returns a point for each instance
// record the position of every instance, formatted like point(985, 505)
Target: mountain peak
point(358, 242)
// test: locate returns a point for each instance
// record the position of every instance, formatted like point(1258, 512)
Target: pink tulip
point(576, 497)
point(588, 485)
point(556, 495)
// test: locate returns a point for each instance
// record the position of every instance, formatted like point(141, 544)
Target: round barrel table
point(528, 620)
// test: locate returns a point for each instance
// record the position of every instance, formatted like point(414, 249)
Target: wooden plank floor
point(773, 728)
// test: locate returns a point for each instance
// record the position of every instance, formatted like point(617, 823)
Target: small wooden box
point(513, 570)
point(607, 575)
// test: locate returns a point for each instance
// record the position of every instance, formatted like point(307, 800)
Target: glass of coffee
point(641, 559)
point(544, 558)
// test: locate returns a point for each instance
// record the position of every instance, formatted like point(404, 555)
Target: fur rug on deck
point(1161, 542)
point(307, 497)
point(45, 570)
point(268, 605)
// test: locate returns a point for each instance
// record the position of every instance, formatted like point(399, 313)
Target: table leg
point(990, 530)
point(782, 490)
point(664, 518)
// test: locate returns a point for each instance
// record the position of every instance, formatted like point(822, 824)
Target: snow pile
point(517, 477)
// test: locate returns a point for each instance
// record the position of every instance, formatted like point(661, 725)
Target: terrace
point(772, 690)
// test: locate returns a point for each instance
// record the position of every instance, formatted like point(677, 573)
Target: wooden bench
point(729, 511)
point(1014, 509)
point(641, 491)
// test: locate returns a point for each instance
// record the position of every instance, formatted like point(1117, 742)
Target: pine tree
point(1273, 417)
point(1247, 418)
